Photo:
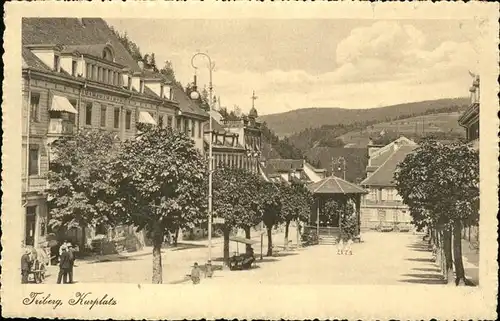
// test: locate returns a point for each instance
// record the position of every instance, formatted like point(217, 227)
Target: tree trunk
point(287, 225)
point(457, 254)
point(448, 257)
point(269, 241)
point(248, 247)
point(157, 243)
point(176, 237)
point(226, 231)
point(298, 233)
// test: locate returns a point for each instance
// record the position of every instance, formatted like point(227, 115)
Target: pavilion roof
point(335, 185)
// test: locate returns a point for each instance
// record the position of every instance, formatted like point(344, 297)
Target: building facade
point(86, 81)
point(383, 207)
point(470, 121)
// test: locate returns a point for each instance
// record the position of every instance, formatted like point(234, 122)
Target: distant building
point(77, 75)
point(331, 158)
point(289, 170)
point(382, 205)
point(470, 118)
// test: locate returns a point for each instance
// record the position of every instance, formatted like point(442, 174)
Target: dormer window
point(57, 63)
point(74, 65)
point(107, 54)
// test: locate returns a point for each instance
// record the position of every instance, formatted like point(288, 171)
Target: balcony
point(61, 127)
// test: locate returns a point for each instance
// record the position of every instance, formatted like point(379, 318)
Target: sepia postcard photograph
point(250, 160)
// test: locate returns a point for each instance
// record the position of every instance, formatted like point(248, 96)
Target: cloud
point(385, 63)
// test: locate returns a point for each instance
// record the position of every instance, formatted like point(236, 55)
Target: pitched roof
point(384, 175)
point(284, 165)
point(33, 61)
point(335, 185)
point(186, 105)
point(90, 32)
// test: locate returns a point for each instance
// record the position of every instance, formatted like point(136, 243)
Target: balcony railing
point(61, 127)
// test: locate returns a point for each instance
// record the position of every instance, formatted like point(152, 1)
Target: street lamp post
point(337, 161)
point(195, 95)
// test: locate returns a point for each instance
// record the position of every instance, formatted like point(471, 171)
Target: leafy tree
point(440, 184)
point(160, 179)
point(79, 180)
point(269, 204)
point(296, 201)
point(348, 221)
point(234, 200)
point(330, 213)
point(168, 71)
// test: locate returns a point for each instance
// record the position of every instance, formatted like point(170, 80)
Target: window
point(95, 73)
point(200, 129)
point(193, 129)
point(170, 121)
point(88, 71)
point(160, 121)
point(35, 107)
point(128, 119)
point(373, 194)
point(57, 63)
point(129, 84)
point(390, 194)
point(117, 117)
point(34, 161)
point(104, 75)
point(99, 74)
point(179, 124)
point(186, 126)
point(73, 68)
point(72, 117)
point(103, 116)
point(88, 114)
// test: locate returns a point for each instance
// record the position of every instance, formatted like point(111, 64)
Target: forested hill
point(293, 122)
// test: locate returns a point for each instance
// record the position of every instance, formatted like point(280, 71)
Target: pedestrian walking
point(348, 248)
point(64, 265)
point(340, 246)
point(25, 265)
point(71, 252)
point(195, 274)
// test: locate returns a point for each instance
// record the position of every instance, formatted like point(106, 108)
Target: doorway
point(29, 238)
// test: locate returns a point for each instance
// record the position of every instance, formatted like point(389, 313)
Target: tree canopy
point(79, 186)
point(440, 183)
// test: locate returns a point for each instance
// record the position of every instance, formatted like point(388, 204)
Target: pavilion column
point(317, 218)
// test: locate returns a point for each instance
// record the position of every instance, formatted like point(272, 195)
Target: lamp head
point(194, 95)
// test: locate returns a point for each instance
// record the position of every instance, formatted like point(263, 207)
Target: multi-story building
point(76, 76)
point(470, 121)
point(470, 118)
point(289, 170)
point(245, 132)
point(383, 206)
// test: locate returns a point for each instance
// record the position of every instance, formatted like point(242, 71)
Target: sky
point(302, 63)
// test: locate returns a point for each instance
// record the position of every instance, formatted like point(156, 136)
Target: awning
point(60, 103)
point(242, 240)
point(145, 117)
